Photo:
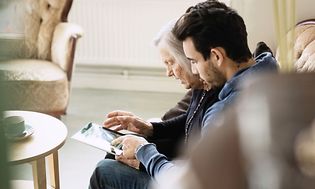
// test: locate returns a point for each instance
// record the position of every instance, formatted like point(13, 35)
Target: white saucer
point(28, 132)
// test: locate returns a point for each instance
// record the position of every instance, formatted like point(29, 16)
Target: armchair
point(39, 80)
point(304, 46)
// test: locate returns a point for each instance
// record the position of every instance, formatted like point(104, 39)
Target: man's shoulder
point(265, 62)
point(266, 59)
point(216, 108)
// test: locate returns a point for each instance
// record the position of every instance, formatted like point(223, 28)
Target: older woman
point(112, 173)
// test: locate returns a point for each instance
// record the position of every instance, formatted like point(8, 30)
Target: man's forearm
point(153, 161)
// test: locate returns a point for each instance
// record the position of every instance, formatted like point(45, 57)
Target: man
point(215, 41)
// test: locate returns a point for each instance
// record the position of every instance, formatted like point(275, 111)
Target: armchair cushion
point(36, 85)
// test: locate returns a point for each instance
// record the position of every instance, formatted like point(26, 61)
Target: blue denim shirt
point(155, 163)
point(265, 62)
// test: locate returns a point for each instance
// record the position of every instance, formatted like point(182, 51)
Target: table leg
point(39, 173)
point(54, 170)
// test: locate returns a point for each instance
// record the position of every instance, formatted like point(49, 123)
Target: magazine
point(99, 137)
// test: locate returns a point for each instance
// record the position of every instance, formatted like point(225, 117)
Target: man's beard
point(218, 78)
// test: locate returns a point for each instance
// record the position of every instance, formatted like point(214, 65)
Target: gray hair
point(166, 37)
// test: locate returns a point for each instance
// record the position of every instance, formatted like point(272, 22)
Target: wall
point(116, 51)
point(259, 18)
point(11, 27)
point(121, 32)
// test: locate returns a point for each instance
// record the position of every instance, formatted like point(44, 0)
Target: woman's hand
point(128, 121)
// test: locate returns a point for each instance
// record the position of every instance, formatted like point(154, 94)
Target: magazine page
point(99, 137)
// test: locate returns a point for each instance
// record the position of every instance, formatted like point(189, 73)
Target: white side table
point(48, 137)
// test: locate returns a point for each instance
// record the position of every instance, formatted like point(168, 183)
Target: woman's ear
point(217, 56)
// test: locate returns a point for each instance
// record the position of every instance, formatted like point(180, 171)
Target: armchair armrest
point(63, 45)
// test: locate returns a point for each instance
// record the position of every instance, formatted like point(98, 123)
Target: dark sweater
point(167, 135)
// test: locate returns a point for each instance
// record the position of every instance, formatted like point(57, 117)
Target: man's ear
point(217, 56)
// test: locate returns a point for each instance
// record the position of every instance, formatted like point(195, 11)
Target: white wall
point(116, 51)
point(120, 33)
point(11, 14)
point(11, 27)
point(259, 18)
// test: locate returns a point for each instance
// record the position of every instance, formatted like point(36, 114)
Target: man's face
point(207, 69)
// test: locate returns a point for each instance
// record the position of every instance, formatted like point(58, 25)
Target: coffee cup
point(14, 126)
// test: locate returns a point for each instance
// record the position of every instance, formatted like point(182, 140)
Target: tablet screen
point(110, 135)
point(100, 137)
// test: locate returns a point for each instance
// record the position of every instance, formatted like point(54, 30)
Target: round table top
point(49, 135)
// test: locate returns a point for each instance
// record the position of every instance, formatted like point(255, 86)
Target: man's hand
point(129, 145)
point(130, 162)
point(128, 121)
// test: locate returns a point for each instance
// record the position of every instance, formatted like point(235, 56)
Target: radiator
point(120, 32)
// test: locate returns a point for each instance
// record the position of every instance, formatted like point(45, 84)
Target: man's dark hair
point(212, 24)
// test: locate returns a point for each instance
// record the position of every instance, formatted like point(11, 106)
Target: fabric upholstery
point(41, 18)
point(39, 80)
point(32, 70)
point(36, 85)
point(304, 47)
point(60, 53)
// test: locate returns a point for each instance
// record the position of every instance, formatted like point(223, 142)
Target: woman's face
point(174, 69)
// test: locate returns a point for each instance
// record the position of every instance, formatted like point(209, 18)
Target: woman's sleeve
point(171, 128)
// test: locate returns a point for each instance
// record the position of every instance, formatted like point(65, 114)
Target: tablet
point(100, 137)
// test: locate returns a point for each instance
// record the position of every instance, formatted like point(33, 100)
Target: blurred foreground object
point(4, 171)
point(272, 114)
point(305, 151)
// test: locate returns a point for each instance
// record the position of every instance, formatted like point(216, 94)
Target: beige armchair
point(39, 79)
point(304, 46)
